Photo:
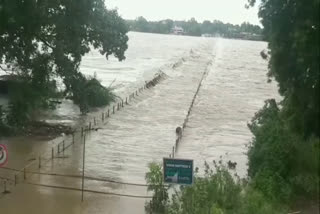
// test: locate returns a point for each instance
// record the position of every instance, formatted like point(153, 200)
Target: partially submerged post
point(39, 161)
point(173, 152)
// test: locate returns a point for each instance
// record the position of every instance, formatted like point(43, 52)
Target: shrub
point(217, 192)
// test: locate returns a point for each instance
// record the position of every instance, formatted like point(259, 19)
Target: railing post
point(173, 152)
point(4, 187)
point(39, 161)
point(52, 153)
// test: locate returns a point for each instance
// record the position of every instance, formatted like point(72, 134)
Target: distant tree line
point(194, 28)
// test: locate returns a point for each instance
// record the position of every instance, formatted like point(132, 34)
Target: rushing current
point(120, 148)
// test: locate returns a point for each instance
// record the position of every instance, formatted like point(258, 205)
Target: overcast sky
point(232, 11)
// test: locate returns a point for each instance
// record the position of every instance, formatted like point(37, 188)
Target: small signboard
point(178, 171)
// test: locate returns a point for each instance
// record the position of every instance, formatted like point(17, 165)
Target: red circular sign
point(3, 155)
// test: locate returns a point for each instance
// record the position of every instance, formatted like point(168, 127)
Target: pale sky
point(232, 11)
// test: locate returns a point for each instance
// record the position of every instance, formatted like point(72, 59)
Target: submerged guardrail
point(180, 130)
point(77, 135)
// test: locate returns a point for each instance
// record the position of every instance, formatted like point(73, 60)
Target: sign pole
point(83, 164)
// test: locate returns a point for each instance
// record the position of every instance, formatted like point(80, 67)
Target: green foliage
point(24, 96)
point(4, 129)
point(42, 40)
point(254, 202)
point(154, 179)
point(282, 163)
point(292, 30)
point(194, 28)
point(284, 154)
point(217, 192)
point(88, 92)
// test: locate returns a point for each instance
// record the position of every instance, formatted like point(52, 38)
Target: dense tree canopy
point(292, 30)
point(44, 39)
point(284, 155)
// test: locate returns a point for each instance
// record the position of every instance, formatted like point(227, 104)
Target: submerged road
point(144, 131)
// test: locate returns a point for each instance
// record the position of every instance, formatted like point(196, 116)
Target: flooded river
point(144, 130)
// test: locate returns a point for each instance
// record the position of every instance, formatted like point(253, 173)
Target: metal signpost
point(178, 171)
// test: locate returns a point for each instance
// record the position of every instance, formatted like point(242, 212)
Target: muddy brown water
point(144, 130)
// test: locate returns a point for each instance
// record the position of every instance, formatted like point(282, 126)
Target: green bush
point(254, 202)
point(217, 192)
point(282, 164)
point(154, 179)
point(88, 93)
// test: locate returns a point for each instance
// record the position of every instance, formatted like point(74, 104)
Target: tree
point(154, 179)
point(292, 30)
point(193, 27)
point(206, 27)
point(44, 39)
point(141, 25)
point(284, 154)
